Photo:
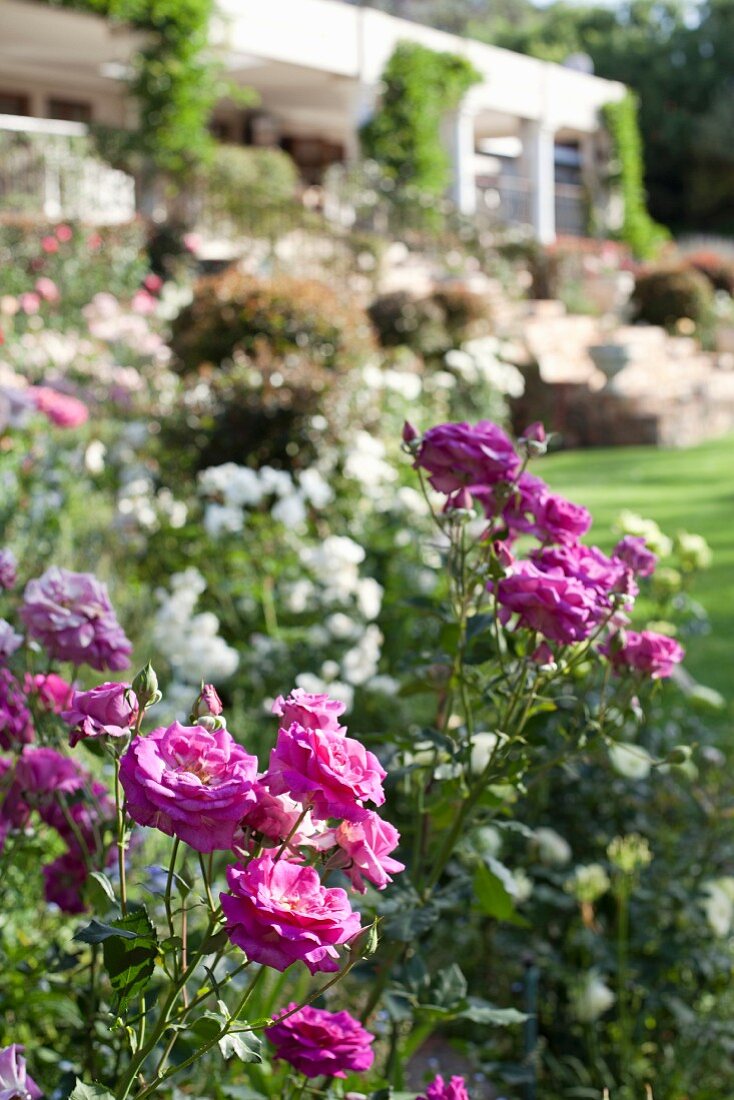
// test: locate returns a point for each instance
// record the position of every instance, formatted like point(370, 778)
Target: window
point(69, 110)
point(12, 103)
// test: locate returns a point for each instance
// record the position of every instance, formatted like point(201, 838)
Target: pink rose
point(190, 783)
point(560, 520)
point(108, 710)
point(152, 283)
point(317, 1042)
point(331, 773)
point(560, 608)
point(589, 565)
point(208, 702)
point(50, 244)
point(466, 456)
point(64, 233)
point(143, 303)
point(310, 710)
point(367, 846)
point(59, 408)
point(47, 289)
point(455, 1089)
point(53, 692)
point(279, 913)
point(14, 1080)
point(653, 654)
point(273, 816)
point(30, 303)
point(633, 552)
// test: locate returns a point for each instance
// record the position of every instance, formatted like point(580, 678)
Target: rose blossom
point(44, 771)
point(29, 302)
point(59, 408)
point(16, 726)
point(8, 568)
point(208, 702)
point(326, 770)
point(367, 845)
point(560, 520)
point(15, 1084)
point(455, 1089)
point(64, 233)
point(14, 811)
point(50, 244)
point(47, 289)
point(54, 693)
point(71, 615)
point(278, 912)
point(274, 816)
point(645, 651)
point(309, 709)
point(10, 640)
point(459, 456)
point(107, 710)
point(589, 565)
point(317, 1042)
point(63, 883)
point(561, 608)
point(190, 783)
point(633, 551)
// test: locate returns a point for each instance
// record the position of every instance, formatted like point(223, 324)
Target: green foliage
point(174, 83)
point(664, 296)
point(249, 189)
point(404, 135)
point(430, 325)
point(639, 231)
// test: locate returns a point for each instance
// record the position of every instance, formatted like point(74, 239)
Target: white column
point(538, 146)
point(460, 140)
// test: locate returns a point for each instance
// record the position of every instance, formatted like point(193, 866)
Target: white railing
point(47, 167)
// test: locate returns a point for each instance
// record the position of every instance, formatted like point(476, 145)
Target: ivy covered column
point(538, 154)
point(460, 140)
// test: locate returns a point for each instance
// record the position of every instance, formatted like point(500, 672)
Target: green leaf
point(101, 879)
point(492, 897)
point(243, 1044)
point(130, 962)
point(89, 1092)
point(98, 931)
point(481, 1012)
point(449, 987)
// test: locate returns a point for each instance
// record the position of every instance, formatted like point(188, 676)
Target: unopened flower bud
point(145, 687)
point(460, 501)
point(364, 943)
point(503, 554)
point(207, 702)
point(534, 439)
point(410, 433)
point(211, 722)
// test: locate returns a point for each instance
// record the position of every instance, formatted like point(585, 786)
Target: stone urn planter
point(610, 359)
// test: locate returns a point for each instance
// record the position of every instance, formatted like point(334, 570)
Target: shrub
point(271, 352)
point(718, 270)
point(249, 188)
point(431, 325)
point(664, 296)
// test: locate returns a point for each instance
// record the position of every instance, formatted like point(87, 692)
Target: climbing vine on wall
point(404, 136)
point(639, 231)
point(174, 82)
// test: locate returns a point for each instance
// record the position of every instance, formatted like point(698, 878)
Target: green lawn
point(690, 490)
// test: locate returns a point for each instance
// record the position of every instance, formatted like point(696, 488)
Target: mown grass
point(691, 490)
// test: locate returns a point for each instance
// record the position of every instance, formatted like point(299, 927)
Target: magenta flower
point(47, 289)
point(560, 608)
point(190, 783)
point(63, 882)
point(14, 810)
point(652, 654)
point(317, 1042)
point(465, 456)
point(8, 569)
point(560, 520)
point(589, 565)
point(279, 913)
point(16, 725)
point(208, 702)
point(15, 1083)
point(71, 615)
point(367, 846)
point(455, 1089)
point(310, 710)
point(273, 816)
point(633, 551)
point(44, 771)
point(53, 692)
point(61, 409)
point(523, 505)
point(108, 710)
point(331, 773)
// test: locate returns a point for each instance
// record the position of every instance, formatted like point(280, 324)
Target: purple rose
point(466, 456)
point(455, 1089)
point(108, 710)
point(367, 846)
point(652, 654)
point(523, 505)
point(10, 640)
point(310, 710)
point(591, 566)
point(190, 783)
point(63, 882)
point(317, 1042)
point(560, 608)
point(14, 810)
point(560, 520)
point(279, 913)
point(15, 1084)
point(8, 569)
point(44, 771)
point(633, 551)
point(331, 773)
point(71, 615)
point(16, 725)
point(80, 819)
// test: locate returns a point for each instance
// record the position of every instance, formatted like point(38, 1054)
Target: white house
point(526, 140)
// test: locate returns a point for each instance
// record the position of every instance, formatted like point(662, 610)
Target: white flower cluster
point(190, 642)
point(232, 490)
point(477, 361)
point(142, 508)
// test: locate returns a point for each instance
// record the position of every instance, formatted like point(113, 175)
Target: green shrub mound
point(664, 296)
point(272, 352)
point(430, 325)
